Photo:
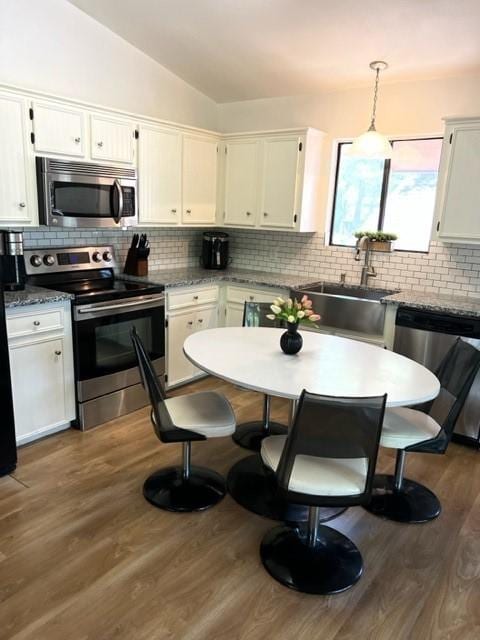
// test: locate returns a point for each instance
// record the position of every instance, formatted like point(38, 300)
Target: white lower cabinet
point(189, 310)
point(235, 298)
point(41, 364)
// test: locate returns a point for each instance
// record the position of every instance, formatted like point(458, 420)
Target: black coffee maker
point(12, 262)
point(215, 250)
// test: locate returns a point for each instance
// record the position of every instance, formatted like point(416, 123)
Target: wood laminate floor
point(84, 557)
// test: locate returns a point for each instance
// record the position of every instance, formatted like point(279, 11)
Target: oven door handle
point(117, 216)
point(123, 305)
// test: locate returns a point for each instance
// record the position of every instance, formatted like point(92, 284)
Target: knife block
point(135, 265)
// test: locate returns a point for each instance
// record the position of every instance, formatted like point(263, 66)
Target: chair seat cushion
point(404, 427)
point(318, 476)
point(207, 413)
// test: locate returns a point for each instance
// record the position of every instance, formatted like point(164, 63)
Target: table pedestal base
point(249, 435)
point(254, 487)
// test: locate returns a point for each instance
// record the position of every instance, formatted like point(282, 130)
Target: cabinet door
point(17, 164)
point(112, 139)
point(460, 217)
point(159, 175)
point(205, 319)
point(234, 314)
point(279, 182)
point(199, 180)
point(58, 129)
point(38, 384)
point(180, 326)
point(241, 179)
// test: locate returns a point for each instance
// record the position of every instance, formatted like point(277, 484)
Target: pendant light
point(372, 144)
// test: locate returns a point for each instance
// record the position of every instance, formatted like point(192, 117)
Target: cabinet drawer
point(242, 295)
point(192, 298)
point(31, 323)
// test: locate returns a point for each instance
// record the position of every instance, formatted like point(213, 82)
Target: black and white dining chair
point(184, 419)
point(249, 435)
point(425, 430)
point(327, 460)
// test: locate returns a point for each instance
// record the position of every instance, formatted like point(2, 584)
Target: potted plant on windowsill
point(378, 240)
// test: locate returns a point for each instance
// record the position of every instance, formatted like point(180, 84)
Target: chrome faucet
point(368, 270)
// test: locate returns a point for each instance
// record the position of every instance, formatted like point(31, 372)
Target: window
point(395, 196)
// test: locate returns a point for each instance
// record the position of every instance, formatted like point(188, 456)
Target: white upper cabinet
point(18, 203)
point(281, 160)
point(159, 175)
point(241, 182)
point(457, 215)
point(199, 179)
point(112, 139)
point(59, 129)
point(275, 177)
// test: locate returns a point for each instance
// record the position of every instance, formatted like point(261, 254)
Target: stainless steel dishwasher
point(425, 336)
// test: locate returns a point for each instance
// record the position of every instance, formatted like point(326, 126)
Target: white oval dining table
point(251, 357)
point(328, 365)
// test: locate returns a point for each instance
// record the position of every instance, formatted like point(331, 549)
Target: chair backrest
point(255, 315)
point(456, 374)
point(338, 428)
point(161, 420)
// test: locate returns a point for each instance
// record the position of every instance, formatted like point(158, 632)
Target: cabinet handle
point(174, 211)
point(22, 205)
point(252, 298)
point(200, 320)
point(195, 297)
point(100, 144)
point(58, 353)
point(248, 213)
point(77, 140)
point(189, 211)
point(36, 323)
point(190, 322)
point(265, 214)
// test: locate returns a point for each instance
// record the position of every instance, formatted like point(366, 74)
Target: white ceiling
point(243, 49)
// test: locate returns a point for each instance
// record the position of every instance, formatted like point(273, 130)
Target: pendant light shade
point(372, 144)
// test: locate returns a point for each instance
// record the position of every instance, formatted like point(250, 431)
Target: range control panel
point(61, 259)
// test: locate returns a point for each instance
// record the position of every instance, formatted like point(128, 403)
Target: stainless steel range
point(104, 310)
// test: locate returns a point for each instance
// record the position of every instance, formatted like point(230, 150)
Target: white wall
point(409, 108)
point(52, 46)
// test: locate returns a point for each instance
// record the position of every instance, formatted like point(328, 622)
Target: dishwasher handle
point(438, 322)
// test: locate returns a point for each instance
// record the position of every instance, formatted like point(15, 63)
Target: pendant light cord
point(375, 95)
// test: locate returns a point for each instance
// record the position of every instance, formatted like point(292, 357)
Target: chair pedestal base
point(333, 565)
point(255, 488)
point(413, 503)
point(249, 435)
point(168, 489)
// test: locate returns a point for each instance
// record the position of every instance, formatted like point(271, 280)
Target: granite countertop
point(455, 305)
point(170, 278)
point(33, 295)
point(196, 275)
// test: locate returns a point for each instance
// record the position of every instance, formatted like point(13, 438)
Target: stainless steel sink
point(348, 308)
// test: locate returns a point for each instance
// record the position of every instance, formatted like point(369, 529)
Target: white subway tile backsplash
point(445, 269)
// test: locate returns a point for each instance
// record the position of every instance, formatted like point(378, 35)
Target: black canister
point(215, 250)
point(12, 271)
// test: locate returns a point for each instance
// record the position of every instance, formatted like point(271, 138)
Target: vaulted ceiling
point(244, 49)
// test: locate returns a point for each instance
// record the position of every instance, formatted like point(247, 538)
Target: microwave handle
point(117, 216)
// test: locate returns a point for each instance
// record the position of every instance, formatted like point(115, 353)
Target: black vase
point(291, 341)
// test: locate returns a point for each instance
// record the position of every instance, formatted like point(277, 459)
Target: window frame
point(383, 195)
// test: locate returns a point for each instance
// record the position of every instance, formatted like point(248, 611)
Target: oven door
point(90, 201)
point(104, 356)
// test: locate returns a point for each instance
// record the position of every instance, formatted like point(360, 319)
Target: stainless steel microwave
point(79, 194)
